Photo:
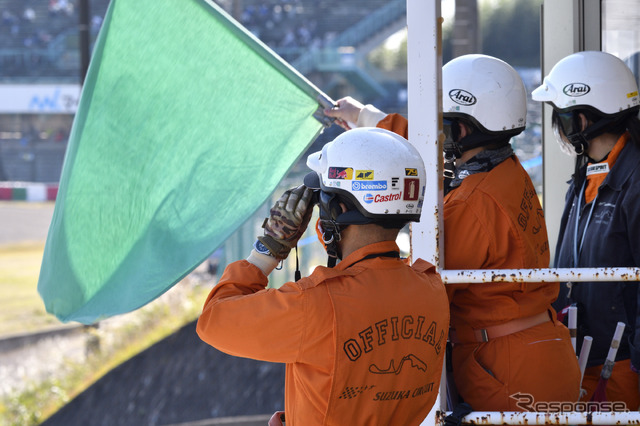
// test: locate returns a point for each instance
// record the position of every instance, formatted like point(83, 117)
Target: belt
point(464, 334)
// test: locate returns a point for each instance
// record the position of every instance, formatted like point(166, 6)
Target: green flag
point(185, 126)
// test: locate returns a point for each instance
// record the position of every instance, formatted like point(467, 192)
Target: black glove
point(287, 222)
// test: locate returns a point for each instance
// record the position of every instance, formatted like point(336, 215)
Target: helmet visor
point(450, 128)
point(563, 124)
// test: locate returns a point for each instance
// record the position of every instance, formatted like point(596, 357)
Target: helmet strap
point(580, 139)
point(579, 142)
point(448, 172)
point(330, 237)
point(452, 150)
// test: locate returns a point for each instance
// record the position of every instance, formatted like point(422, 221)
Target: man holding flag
point(363, 341)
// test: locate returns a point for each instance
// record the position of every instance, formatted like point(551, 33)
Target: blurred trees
point(509, 29)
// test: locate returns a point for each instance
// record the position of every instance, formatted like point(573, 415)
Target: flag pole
point(600, 393)
point(582, 360)
point(573, 325)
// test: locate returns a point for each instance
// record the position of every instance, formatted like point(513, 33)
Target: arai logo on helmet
point(462, 97)
point(576, 89)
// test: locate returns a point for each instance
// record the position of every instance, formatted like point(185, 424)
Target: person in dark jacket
point(595, 116)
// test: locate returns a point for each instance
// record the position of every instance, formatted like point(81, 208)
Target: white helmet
point(486, 91)
point(596, 80)
point(593, 82)
point(374, 170)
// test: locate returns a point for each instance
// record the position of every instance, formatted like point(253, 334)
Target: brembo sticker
point(374, 185)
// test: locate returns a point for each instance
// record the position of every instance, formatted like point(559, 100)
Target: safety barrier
point(557, 413)
point(555, 418)
point(25, 191)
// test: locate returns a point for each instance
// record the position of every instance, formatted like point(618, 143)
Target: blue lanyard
point(577, 250)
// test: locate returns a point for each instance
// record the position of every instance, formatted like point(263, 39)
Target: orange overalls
point(494, 220)
point(363, 342)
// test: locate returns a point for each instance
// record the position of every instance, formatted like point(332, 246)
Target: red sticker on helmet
point(340, 173)
point(411, 189)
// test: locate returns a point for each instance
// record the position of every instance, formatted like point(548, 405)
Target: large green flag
point(185, 126)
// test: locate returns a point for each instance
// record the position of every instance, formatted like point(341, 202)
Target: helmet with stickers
point(487, 93)
point(377, 174)
point(596, 84)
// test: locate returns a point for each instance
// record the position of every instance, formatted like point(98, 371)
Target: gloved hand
point(287, 222)
point(346, 112)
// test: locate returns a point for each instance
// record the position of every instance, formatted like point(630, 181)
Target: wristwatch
point(261, 248)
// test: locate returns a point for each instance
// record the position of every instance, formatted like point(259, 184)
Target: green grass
point(21, 308)
point(155, 322)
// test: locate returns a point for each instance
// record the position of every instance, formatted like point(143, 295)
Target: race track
point(24, 222)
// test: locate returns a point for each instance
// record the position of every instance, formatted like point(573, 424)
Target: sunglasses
point(565, 121)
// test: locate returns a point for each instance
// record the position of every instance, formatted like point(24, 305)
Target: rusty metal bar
point(455, 276)
point(540, 418)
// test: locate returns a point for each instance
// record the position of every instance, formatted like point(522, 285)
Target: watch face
point(261, 248)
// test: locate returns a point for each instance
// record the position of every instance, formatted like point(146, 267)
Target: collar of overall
point(484, 161)
point(393, 254)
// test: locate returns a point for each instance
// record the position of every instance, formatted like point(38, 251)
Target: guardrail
point(28, 191)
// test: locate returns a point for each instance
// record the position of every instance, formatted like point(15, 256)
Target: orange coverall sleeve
point(395, 123)
point(267, 325)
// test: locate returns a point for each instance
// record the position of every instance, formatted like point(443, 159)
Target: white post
point(560, 34)
point(424, 68)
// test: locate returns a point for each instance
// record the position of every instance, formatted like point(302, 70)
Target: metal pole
point(424, 77)
point(84, 37)
point(424, 71)
point(585, 417)
point(452, 276)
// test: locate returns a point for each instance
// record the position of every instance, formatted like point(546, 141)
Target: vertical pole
point(84, 35)
point(560, 37)
point(424, 68)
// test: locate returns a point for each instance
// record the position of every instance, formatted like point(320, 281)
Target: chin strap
point(448, 172)
point(330, 237)
point(453, 150)
point(580, 140)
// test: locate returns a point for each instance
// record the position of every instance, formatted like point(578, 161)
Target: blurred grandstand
point(40, 64)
